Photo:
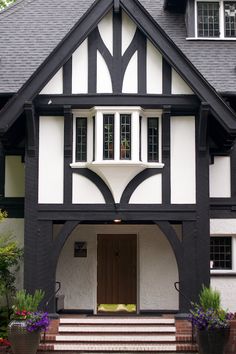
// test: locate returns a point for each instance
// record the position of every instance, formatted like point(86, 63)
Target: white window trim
point(221, 22)
point(116, 110)
point(227, 271)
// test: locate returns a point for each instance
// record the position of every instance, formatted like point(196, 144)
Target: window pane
point(230, 19)
point(81, 139)
point(208, 19)
point(125, 136)
point(108, 136)
point(153, 140)
point(221, 252)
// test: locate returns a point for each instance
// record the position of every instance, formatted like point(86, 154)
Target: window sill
point(210, 39)
point(222, 273)
point(118, 163)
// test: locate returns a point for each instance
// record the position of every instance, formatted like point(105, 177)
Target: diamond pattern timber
point(107, 334)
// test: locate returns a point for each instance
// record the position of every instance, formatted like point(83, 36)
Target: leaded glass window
point(208, 19)
point(221, 253)
point(153, 141)
point(81, 139)
point(230, 19)
point(108, 136)
point(125, 136)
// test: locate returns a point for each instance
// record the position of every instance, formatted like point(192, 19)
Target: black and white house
point(117, 159)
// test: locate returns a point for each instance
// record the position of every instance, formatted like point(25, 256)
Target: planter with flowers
point(211, 322)
point(4, 345)
point(25, 328)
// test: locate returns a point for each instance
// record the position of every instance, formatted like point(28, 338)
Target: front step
point(116, 334)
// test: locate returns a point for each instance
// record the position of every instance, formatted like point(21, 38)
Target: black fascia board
point(59, 56)
point(180, 63)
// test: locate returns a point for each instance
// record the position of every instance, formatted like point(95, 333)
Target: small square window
point(208, 19)
point(221, 253)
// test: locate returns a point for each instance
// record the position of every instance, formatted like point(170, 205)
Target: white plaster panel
point(179, 86)
point(51, 160)
point(55, 85)
point(85, 191)
point(157, 268)
point(130, 81)
point(227, 288)
point(148, 192)
point(80, 69)
point(14, 177)
point(220, 178)
point(117, 177)
point(154, 69)
point(104, 84)
point(223, 226)
point(105, 28)
point(14, 228)
point(128, 31)
point(183, 160)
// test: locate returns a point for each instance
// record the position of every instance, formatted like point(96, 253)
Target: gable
point(149, 30)
point(117, 58)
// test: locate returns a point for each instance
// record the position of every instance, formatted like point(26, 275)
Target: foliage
point(4, 319)
point(208, 314)
point(5, 3)
point(10, 256)
point(25, 302)
point(209, 299)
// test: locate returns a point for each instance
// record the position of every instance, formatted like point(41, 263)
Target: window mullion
point(117, 136)
point(99, 136)
point(221, 19)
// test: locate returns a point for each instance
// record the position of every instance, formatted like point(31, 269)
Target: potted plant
point(25, 328)
point(211, 322)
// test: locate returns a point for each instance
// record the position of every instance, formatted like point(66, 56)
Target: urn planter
point(212, 341)
point(22, 341)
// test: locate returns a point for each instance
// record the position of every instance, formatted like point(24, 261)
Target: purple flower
point(209, 319)
point(38, 321)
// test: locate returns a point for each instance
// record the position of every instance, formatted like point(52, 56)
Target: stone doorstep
point(112, 338)
point(113, 321)
point(117, 328)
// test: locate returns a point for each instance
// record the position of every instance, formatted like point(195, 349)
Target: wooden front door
point(117, 269)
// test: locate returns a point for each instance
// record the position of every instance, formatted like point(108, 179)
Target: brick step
point(111, 338)
point(117, 321)
point(117, 329)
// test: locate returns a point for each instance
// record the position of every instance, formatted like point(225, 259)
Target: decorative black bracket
point(31, 129)
point(202, 127)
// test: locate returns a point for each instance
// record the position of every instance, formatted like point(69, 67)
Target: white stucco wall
point(80, 69)
point(183, 160)
point(84, 191)
point(220, 177)
point(227, 287)
point(130, 82)
point(148, 192)
point(179, 86)
point(14, 177)
point(154, 69)
point(105, 28)
point(55, 85)
point(104, 84)
point(156, 262)
point(51, 159)
point(128, 31)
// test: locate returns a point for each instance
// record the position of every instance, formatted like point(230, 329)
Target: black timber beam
point(177, 102)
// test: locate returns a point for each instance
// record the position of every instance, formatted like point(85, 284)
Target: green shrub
point(209, 299)
point(28, 302)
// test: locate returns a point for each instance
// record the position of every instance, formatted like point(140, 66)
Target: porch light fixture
point(117, 221)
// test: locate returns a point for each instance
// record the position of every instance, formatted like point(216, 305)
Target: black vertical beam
point(92, 62)
point(166, 77)
point(117, 59)
point(31, 129)
point(202, 208)
point(233, 173)
point(31, 224)
point(166, 154)
point(68, 147)
point(142, 63)
point(67, 77)
point(2, 171)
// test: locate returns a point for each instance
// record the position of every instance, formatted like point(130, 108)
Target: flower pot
point(22, 341)
point(212, 341)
